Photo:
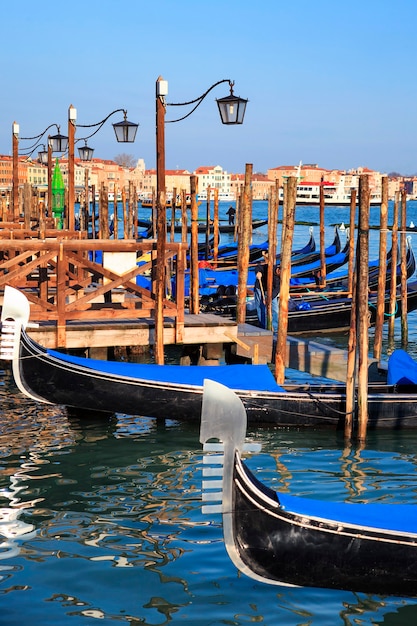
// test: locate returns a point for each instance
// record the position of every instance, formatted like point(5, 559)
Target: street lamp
point(232, 111)
point(85, 152)
point(125, 132)
point(15, 174)
point(56, 143)
point(231, 108)
point(43, 155)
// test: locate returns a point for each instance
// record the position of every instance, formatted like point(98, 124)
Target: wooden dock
point(198, 329)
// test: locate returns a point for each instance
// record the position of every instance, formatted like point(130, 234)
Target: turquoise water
point(112, 529)
point(119, 536)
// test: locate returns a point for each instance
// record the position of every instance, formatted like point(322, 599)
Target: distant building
point(312, 173)
point(6, 172)
point(260, 183)
point(174, 179)
point(114, 176)
point(214, 177)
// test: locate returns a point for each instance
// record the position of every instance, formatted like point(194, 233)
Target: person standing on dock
point(260, 293)
point(231, 212)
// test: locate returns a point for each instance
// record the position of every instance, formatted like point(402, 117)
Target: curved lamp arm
point(100, 124)
point(198, 100)
point(31, 149)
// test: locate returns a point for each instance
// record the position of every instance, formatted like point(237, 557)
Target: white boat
point(110, 196)
point(224, 196)
point(335, 194)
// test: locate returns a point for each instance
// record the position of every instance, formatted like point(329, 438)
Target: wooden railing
point(64, 280)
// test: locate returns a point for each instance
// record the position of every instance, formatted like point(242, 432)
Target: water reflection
point(118, 530)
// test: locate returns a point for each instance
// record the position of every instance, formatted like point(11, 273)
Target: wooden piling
point(393, 282)
point(93, 212)
point(124, 209)
point(272, 249)
point(380, 306)
point(288, 221)
point(237, 215)
point(208, 220)
point(244, 235)
point(403, 249)
point(322, 239)
point(115, 215)
point(132, 212)
point(351, 366)
point(153, 213)
point(184, 216)
point(160, 275)
point(362, 265)
point(86, 211)
point(173, 210)
point(194, 282)
point(351, 239)
point(104, 212)
point(216, 225)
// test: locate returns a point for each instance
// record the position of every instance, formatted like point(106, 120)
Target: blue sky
point(328, 82)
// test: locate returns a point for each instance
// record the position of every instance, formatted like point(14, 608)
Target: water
point(111, 522)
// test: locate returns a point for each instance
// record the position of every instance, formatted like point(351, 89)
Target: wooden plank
point(135, 332)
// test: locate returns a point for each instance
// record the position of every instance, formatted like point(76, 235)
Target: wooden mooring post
point(194, 282)
point(380, 306)
point(244, 236)
point(208, 224)
point(403, 249)
point(322, 240)
point(216, 226)
point(393, 283)
point(351, 366)
point(351, 239)
point(288, 221)
point(362, 286)
point(273, 205)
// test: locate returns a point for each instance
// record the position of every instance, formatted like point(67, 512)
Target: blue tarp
point(399, 517)
point(250, 377)
point(402, 369)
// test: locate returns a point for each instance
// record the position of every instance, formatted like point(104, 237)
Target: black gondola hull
point(59, 382)
point(287, 548)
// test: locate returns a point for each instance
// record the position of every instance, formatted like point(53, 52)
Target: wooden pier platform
point(198, 329)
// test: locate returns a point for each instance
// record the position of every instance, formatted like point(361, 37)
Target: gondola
point(280, 539)
point(202, 226)
point(312, 313)
point(312, 256)
point(223, 228)
point(339, 277)
point(227, 253)
point(211, 278)
point(175, 391)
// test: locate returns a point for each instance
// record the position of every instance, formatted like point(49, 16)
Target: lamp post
point(161, 92)
point(15, 157)
point(56, 143)
point(125, 132)
point(72, 119)
point(232, 111)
